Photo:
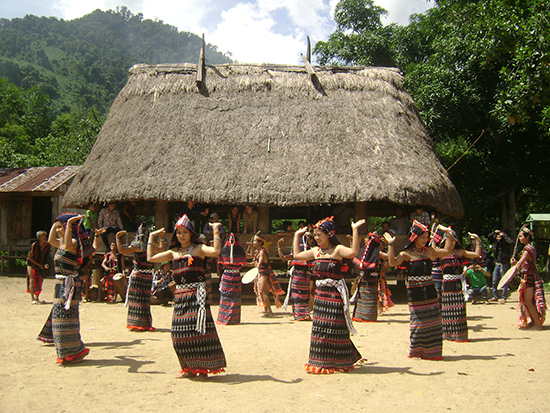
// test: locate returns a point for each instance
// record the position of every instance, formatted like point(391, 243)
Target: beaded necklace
point(421, 251)
point(324, 252)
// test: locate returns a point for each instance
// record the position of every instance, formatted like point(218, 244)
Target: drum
point(163, 295)
point(121, 285)
point(507, 277)
point(250, 276)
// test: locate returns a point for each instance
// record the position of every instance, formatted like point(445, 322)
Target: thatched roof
point(264, 134)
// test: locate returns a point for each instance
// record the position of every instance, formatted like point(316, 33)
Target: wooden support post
point(360, 212)
point(161, 215)
point(264, 219)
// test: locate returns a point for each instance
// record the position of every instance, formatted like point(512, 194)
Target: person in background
point(190, 210)
point(266, 280)
point(214, 219)
point(90, 220)
point(234, 219)
point(109, 218)
point(475, 274)
point(138, 298)
point(250, 220)
point(343, 216)
point(532, 304)
point(400, 224)
point(421, 216)
point(129, 218)
point(502, 246)
point(111, 264)
point(385, 228)
point(161, 280)
point(37, 263)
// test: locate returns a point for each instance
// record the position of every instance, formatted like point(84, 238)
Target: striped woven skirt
point(299, 292)
point(63, 326)
point(197, 353)
point(453, 309)
point(230, 298)
point(425, 319)
point(366, 306)
point(437, 276)
point(331, 349)
point(138, 300)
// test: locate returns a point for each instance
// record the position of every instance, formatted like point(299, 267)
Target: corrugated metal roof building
point(30, 198)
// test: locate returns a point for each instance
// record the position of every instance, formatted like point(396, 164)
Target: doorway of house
point(41, 214)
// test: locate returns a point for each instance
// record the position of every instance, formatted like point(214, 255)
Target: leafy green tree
point(24, 118)
point(360, 37)
point(479, 72)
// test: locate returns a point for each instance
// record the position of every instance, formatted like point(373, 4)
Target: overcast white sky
point(253, 31)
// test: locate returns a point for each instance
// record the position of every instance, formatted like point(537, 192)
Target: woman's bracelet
point(152, 243)
point(391, 244)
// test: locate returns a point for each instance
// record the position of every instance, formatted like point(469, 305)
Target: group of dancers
point(318, 262)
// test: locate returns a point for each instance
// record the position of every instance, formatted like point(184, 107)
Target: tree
point(479, 68)
point(360, 37)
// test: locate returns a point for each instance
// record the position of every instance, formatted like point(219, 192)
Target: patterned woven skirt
point(230, 298)
point(453, 310)
point(425, 319)
point(366, 306)
point(437, 276)
point(299, 292)
point(331, 349)
point(197, 353)
point(63, 326)
point(139, 301)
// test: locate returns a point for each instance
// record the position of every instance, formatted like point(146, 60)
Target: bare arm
point(282, 256)
point(52, 236)
point(393, 261)
point(215, 250)
point(350, 252)
point(70, 243)
point(524, 257)
point(472, 254)
point(123, 249)
point(296, 253)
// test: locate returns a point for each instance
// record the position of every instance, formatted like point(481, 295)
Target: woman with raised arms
point(331, 349)
point(194, 334)
point(425, 315)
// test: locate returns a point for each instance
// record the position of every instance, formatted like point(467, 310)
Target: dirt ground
point(501, 369)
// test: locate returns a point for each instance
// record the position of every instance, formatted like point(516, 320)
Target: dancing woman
point(368, 295)
point(232, 259)
point(138, 297)
point(532, 304)
point(453, 305)
point(194, 334)
point(63, 324)
point(300, 275)
point(331, 349)
point(425, 316)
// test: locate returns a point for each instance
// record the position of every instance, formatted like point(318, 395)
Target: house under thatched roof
point(265, 134)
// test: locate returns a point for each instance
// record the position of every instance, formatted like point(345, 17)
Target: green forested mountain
point(58, 78)
point(83, 63)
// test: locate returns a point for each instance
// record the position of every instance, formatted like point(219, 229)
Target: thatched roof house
point(271, 135)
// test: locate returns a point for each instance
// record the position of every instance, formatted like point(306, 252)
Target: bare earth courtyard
point(501, 369)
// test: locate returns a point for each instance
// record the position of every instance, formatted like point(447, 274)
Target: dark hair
point(527, 232)
point(286, 224)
